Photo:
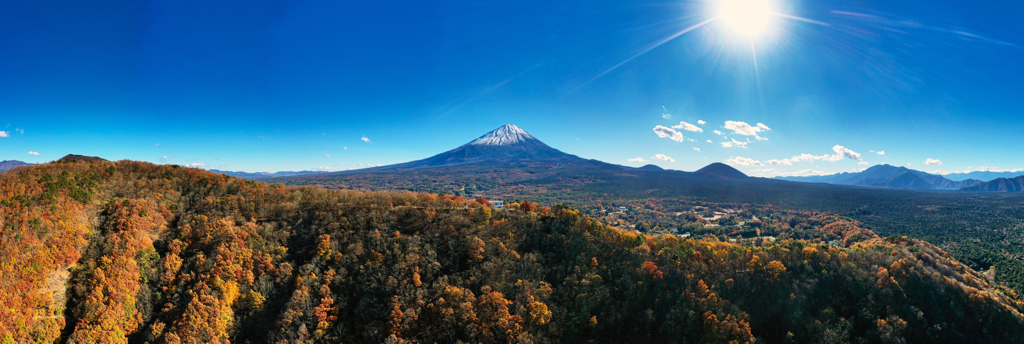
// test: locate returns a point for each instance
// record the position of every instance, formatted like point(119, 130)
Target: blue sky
point(298, 85)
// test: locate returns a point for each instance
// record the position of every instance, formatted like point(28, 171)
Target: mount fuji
point(507, 144)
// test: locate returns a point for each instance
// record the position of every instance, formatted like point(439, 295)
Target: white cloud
point(4, 134)
point(801, 173)
point(322, 168)
point(33, 153)
point(743, 161)
point(664, 131)
point(841, 153)
point(717, 132)
point(637, 159)
point(865, 163)
point(771, 172)
point(742, 128)
point(197, 164)
point(666, 116)
point(709, 141)
point(327, 155)
point(840, 150)
point(931, 161)
point(878, 152)
point(664, 157)
point(696, 149)
point(20, 131)
point(157, 144)
point(735, 143)
point(346, 147)
point(165, 157)
point(701, 122)
point(365, 139)
point(688, 127)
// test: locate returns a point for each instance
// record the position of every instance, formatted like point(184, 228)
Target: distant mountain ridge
point(9, 164)
point(999, 185)
point(264, 175)
point(983, 175)
point(888, 176)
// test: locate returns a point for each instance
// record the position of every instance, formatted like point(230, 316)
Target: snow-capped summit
point(506, 144)
point(508, 134)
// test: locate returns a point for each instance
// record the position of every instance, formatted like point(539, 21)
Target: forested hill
point(97, 251)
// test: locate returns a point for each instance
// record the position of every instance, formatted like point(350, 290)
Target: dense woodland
point(983, 230)
point(104, 252)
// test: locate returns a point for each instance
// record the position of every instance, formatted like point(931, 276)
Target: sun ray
point(649, 48)
point(792, 17)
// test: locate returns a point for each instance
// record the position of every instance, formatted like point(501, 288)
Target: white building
point(498, 204)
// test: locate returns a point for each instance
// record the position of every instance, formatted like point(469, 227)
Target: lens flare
point(747, 17)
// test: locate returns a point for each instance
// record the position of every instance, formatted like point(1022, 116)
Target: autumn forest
point(118, 252)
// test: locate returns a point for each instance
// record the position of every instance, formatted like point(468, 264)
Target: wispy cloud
point(697, 149)
point(718, 132)
point(165, 157)
point(33, 153)
point(664, 157)
point(709, 141)
point(366, 139)
point(197, 164)
point(734, 143)
point(663, 131)
point(743, 161)
point(701, 122)
point(637, 159)
point(346, 147)
point(322, 168)
point(664, 113)
point(327, 155)
point(878, 152)
point(20, 131)
point(771, 172)
point(688, 127)
point(931, 161)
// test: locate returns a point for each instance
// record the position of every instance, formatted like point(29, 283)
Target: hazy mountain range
point(888, 176)
point(264, 175)
point(9, 164)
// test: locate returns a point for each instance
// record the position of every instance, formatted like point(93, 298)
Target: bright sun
point(747, 17)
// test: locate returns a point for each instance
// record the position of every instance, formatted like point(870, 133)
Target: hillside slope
point(168, 254)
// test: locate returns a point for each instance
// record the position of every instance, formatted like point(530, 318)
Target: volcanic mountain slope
point(888, 176)
point(509, 161)
point(1000, 185)
point(509, 143)
point(721, 171)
